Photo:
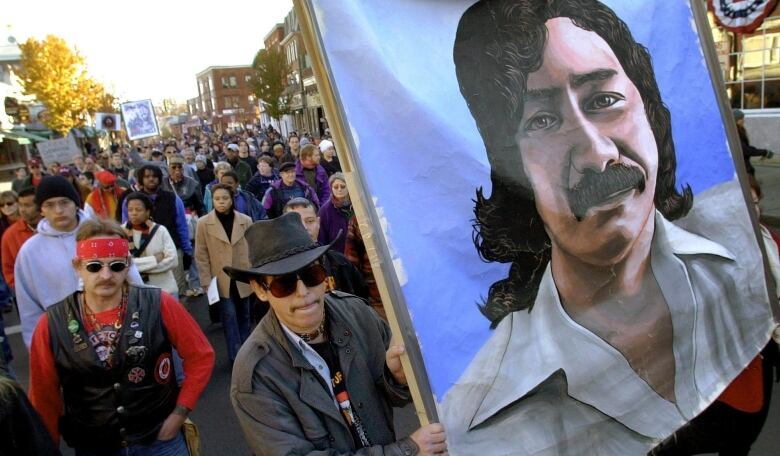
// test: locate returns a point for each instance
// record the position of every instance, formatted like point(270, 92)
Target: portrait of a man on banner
point(582, 273)
point(613, 320)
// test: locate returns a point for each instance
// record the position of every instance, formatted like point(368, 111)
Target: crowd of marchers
point(97, 254)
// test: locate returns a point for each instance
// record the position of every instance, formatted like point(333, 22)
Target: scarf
point(343, 205)
point(104, 206)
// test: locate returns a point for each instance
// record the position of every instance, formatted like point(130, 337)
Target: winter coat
point(323, 186)
point(271, 374)
point(213, 251)
point(333, 220)
point(158, 274)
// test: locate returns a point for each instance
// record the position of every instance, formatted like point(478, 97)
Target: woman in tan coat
point(219, 242)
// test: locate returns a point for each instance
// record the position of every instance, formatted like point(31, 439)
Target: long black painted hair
point(497, 45)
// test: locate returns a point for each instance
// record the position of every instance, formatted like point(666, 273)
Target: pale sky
point(150, 49)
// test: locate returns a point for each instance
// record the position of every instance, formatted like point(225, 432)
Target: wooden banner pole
point(368, 219)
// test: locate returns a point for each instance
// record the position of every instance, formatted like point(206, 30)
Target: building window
point(232, 81)
point(250, 100)
point(247, 78)
point(751, 65)
point(235, 101)
point(224, 82)
point(210, 85)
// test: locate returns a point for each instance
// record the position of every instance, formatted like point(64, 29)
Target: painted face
point(137, 212)
point(223, 203)
point(587, 147)
point(60, 212)
point(339, 189)
point(310, 221)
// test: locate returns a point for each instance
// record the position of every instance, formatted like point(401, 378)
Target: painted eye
point(604, 101)
point(540, 121)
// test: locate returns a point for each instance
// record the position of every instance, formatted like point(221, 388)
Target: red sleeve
point(193, 347)
point(44, 381)
point(7, 259)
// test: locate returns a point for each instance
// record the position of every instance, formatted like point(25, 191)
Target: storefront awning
point(18, 135)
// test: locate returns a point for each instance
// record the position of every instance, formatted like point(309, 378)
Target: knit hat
point(106, 178)
point(56, 187)
point(285, 166)
point(325, 145)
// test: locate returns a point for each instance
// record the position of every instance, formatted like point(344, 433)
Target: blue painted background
point(423, 158)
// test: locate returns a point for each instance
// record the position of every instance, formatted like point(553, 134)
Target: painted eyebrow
point(541, 94)
point(578, 80)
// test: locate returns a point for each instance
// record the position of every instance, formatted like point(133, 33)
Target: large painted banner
point(572, 243)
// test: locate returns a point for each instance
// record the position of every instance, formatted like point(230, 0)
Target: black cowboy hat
point(278, 246)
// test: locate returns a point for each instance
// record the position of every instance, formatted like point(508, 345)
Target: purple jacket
point(331, 221)
point(323, 187)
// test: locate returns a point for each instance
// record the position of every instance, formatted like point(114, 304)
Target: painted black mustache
point(596, 187)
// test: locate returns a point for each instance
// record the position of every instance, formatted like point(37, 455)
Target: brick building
point(226, 98)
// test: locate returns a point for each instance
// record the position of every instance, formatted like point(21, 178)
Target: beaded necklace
point(108, 343)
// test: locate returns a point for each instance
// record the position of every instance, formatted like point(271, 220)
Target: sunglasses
point(284, 285)
point(9, 203)
point(97, 266)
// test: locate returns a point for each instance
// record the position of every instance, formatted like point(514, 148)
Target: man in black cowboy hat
point(318, 373)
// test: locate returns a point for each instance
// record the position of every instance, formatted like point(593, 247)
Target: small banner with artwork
point(108, 121)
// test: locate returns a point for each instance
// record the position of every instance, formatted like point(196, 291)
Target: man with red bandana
point(101, 366)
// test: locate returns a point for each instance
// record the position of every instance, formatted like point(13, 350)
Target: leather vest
point(126, 404)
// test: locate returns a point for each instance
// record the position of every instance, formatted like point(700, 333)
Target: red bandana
point(102, 248)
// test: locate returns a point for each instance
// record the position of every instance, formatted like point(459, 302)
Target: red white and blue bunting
point(741, 16)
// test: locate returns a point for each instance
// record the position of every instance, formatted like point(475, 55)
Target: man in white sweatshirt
point(43, 272)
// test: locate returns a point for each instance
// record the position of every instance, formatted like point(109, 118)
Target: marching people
point(323, 363)
point(263, 178)
point(36, 173)
point(203, 172)
point(42, 273)
point(101, 369)
point(244, 202)
point(219, 243)
point(336, 213)
point(103, 200)
point(244, 155)
point(186, 187)
point(342, 275)
point(285, 189)
point(240, 167)
point(20, 174)
point(85, 182)
point(220, 168)
point(152, 248)
point(357, 254)
point(329, 159)
point(309, 170)
point(169, 212)
point(18, 233)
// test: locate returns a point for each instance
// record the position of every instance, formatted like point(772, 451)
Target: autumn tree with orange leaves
point(57, 77)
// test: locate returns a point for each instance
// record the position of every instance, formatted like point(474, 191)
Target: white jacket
point(160, 274)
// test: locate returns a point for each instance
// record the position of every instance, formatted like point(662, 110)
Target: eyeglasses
point(9, 203)
point(175, 166)
point(284, 285)
point(97, 266)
